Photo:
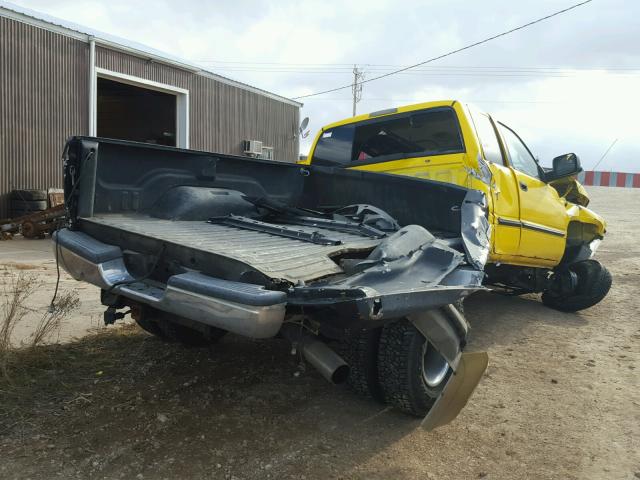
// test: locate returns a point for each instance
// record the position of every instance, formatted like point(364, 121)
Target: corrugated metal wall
point(220, 115)
point(44, 86)
point(44, 99)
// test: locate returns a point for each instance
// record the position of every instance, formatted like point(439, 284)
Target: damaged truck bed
point(360, 271)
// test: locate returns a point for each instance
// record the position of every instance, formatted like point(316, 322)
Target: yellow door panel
point(506, 210)
point(544, 219)
point(527, 261)
point(543, 216)
point(535, 244)
point(506, 237)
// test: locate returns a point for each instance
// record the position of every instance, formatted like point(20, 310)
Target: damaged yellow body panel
point(535, 213)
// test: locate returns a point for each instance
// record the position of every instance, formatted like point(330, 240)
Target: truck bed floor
point(275, 256)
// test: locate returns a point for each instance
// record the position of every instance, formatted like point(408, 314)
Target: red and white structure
point(610, 179)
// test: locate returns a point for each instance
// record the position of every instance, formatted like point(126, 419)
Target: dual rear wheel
point(397, 365)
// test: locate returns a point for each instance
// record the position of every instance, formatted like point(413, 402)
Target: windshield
point(428, 132)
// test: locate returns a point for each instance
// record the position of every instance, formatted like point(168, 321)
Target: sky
point(570, 84)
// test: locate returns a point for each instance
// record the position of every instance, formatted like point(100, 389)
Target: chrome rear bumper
point(245, 309)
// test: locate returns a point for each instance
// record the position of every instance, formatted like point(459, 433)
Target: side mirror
point(564, 166)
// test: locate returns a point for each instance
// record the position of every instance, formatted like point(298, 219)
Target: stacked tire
point(26, 202)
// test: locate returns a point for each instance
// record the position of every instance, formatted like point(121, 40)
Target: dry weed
point(50, 321)
point(12, 310)
point(25, 266)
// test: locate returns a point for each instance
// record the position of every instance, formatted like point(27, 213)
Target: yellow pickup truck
point(543, 236)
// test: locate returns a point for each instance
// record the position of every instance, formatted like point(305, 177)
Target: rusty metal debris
point(34, 225)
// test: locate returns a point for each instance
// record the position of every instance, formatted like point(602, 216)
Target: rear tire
point(594, 282)
point(29, 195)
point(411, 372)
point(360, 351)
point(151, 326)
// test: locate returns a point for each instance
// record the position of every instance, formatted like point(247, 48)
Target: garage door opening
point(129, 112)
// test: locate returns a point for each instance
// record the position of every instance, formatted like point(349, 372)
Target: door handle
point(523, 187)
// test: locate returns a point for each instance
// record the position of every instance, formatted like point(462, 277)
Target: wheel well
point(580, 233)
point(579, 237)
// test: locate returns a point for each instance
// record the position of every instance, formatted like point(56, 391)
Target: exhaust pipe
point(330, 365)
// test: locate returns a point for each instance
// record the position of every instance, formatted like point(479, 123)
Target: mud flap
point(458, 391)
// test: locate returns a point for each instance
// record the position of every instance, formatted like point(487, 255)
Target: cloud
point(555, 111)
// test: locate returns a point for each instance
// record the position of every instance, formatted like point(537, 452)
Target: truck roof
point(391, 111)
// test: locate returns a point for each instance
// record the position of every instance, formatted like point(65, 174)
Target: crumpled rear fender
point(408, 272)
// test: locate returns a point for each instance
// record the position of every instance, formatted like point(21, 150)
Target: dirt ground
point(560, 399)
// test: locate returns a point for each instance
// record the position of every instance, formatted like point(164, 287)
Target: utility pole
point(356, 88)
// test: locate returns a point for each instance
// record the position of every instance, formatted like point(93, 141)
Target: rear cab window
point(420, 133)
point(334, 146)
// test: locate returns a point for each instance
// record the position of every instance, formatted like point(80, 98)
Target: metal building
point(59, 79)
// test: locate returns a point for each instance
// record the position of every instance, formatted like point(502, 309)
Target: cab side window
point(519, 154)
point(487, 136)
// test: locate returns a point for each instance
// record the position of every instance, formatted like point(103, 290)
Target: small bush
point(12, 310)
point(50, 321)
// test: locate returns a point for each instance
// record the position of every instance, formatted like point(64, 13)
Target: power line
point(272, 63)
point(338, 68)
point(605, 154)
point(430, 69)
point(274, 66)
point(467, 47)
point(418, 72)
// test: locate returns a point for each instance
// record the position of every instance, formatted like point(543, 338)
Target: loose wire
point(65, 153)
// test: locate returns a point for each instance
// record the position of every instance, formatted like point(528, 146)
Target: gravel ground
point(560, 398)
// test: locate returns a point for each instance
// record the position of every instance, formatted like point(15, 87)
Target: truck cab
point(538, 216)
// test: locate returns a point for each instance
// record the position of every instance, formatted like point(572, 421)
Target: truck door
point(504, 192)
point(543, 216)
